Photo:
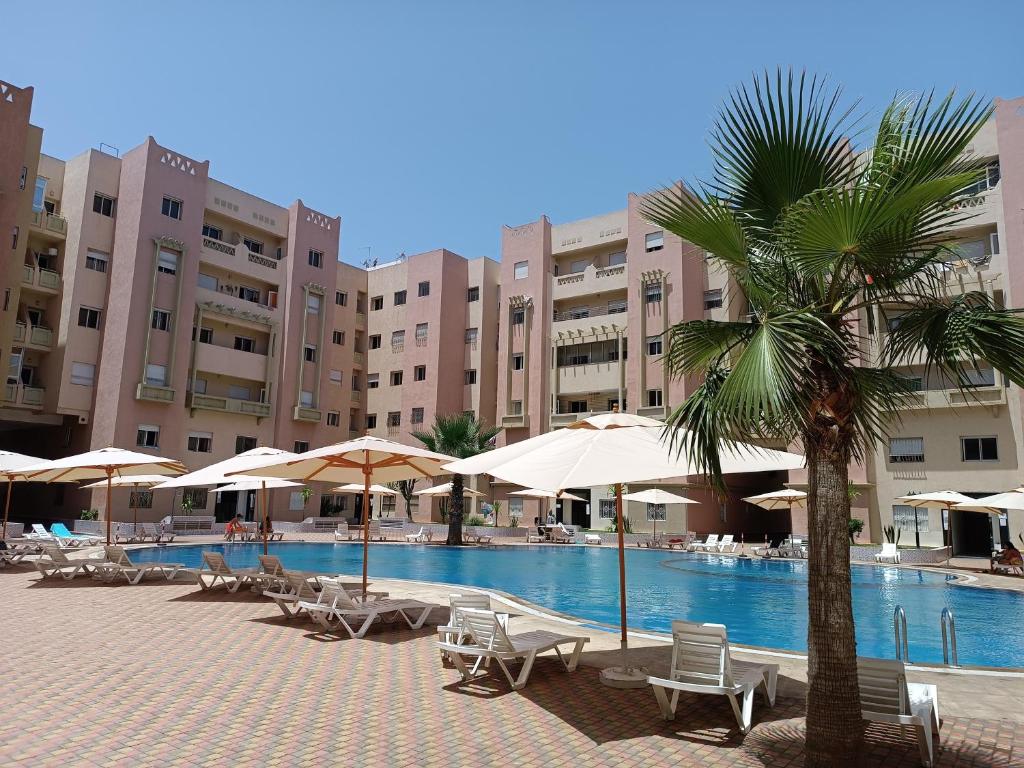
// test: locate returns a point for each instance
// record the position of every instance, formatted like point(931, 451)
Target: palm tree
point(820, 242)
point(405, 489)
point(461, 435)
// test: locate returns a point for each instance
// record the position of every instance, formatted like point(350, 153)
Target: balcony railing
point(21, 394)
point(358, 358)
point(239, 249)
point(581, 313)
point(40, 337)
point(49, 222)
point(397, 346)
point(421, 341)
point(953, 398)
point(302, 413)
point(360, 319)
point(230, 405)
point(157, 393)
point(357, 397)
point(515, 420)
point(19, 333)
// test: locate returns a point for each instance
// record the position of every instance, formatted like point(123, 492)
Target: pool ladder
point(899, 631)
point(947, 625)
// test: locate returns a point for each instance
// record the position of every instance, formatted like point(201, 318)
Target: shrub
point(854, 526)
point(475, 520)
point(89, 514)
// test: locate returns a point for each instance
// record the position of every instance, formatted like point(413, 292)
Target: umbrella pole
point(366, 517)
point(624, 676)
point(109, 508)
point(263, 502)
point(135, 509)
point(7, 506)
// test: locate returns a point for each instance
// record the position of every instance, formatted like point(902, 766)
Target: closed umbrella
point(103, 463)
point(657, 496)
point(136, 482)
point(612, 448)
point(367, 458)
point(10, 465)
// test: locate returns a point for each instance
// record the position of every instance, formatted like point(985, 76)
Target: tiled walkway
point(164, 675)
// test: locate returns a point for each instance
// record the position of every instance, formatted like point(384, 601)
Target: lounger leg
point(524, 673)
point(460, 664)
point(574, 660)
point(771, 681)
point(419, 621)
point(924, 744)
point(666, 703)
point(739, 713)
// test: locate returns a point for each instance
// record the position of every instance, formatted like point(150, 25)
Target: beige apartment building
point(149, 305)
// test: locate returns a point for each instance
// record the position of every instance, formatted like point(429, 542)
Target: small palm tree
point(460, 435)
point(405, 489)
point(819, 243)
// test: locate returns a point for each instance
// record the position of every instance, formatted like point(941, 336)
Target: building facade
point(148, 305)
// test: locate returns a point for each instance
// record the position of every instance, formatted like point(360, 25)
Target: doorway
point(572, 512)
point(226, 506)
point(971, 533)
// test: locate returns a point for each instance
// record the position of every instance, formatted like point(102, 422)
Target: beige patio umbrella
point(103, 463)
point(216, 474)
point(245, 483)
point(935, 500)
point(358, 488)
point(369, 458)
point(445, 489)
point(657, 496)
point(785, 498)
point(10, 464)
point(996, 503)
point(540, 493)
point(138, 481)
point(613, 448)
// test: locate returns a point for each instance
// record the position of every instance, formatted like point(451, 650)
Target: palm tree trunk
point(834, 725)
point(455, 513)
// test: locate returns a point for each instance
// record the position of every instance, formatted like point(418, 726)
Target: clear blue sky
point(431, 124)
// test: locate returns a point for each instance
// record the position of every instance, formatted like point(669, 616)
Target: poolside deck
point(165, 675)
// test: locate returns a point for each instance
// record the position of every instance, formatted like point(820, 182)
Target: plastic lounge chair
point(887, 697)
point(453, 631)
point(491, 642)
point(701, 663)
point(157, 533)
point(217, 569)
point(60, 531)
point(299, 587)
point(119, 564)
point(792, 547)
point(889, 554)
point(272, 572)
point(562, 535)
point(727, 543)
point(537, 538)
point(344, 533)
point(336, 606)
point(1011, 567)
point(711, 542)
point(422, 537)
point(39, 533)
point(591, 538)
point(55, 563)
point(124, 534)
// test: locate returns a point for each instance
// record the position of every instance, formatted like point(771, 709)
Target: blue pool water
point(763, 602)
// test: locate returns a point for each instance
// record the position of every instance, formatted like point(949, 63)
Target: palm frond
point(697, 345)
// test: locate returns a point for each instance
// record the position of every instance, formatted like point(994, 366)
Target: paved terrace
point(163, 674)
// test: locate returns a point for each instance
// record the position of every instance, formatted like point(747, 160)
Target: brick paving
point(164, 675)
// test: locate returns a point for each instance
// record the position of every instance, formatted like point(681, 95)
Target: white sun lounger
point(39, 533)
point(710, 543)
point(727, 543)
point(887, 697)
point(216, 569)
point(335, 607)
point(889, 554)
point(299, 588)
point(701, 663)
point(452, 632)
point(157, 533)
point(344, 533)
point(491, 642)
point(420, 537)
point(55, 563)
point(119, 564)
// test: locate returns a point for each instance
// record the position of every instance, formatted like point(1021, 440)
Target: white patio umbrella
point(996, 503)
point(934, 500)
point(136, 481)
point(216, 473)
point(358, 488)
point(255, 484)
point(786, 498)
point(445, 489)
point(103, 463)
point(612, 448)
point(657, 496)
point(368, 458)
point(10, 465)
point(537, 493)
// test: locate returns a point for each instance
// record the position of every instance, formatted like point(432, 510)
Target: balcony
point(357, 397)
point(302, 413)
point(21, 396)
point(515, 421)
point(234, 363)
point(240, 260)
point(19, 333)
point(590, 280)
point(156, 393)
point(659, 412)
point(41, 280)
point(953, 398)
point(33, 336)
point(589, 377)
point(49, 223)
point(235, 305)
point(565, 419)
point(361, 321)
point(585, 318)
point(229, 405)
point(358, 358)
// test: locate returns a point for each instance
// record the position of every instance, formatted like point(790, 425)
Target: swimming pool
point(763, 602)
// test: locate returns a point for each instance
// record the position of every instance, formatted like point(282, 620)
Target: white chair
point(727, 543)
point(119, 564)
point(707, 545)
point(216, 569)
point(491, 642)
point(55, 563)
point(889, 554)
point(592, 538)
point(297, 589)
point(335, 606)
point(344, 533)
point(422, 537)
point(701, 663)
point(452, 631)
point(887, 697)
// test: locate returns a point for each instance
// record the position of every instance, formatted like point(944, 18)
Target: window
point(375, 341)
point(906, 450)
point(656, 512)
point(249, 294)
point(376, 303)
point(156, 374)
point(471, 334)
point(473, 294)
point(334, 376)
point(517, 361)
point(469, 377)
point(417, 416)
point(195, 497)
point(205, 335)
point(245, 344)
point(83, 373)
point(394, 419)
point(295, 501)
point(372, 380)
point(606, 509)
point(161, 320)
point(576, 406)
point(371, 421)
point(147, 436)
point(209, 282)
point(979, 449)
point(167, 262)
point(338, 337)
point(617, 306)
point(215, 233)
point(908, 518)
point(397, 341)
point(713, 299)
point(199, 386)
point(654, 241)
point(419, 373)
point(200, 442)
point(396, 378)
point(399, 298)
point(244, 443)
point(991, 179)
point(140, 499)
point(313, 304)
point(521, 270)
point(423, 289)
point(102, 204)
point(14, 237)
point(309, 353)
point(253, 245)
point(306, 399)
point(171, 207)
point(516, 408)
point(316, 258)
point(614, 259)
point(40, 192)
point(654, 345)
point(341, 298)
point(96, 261)
point(515, 508)
point(580, 265)
point(985, 377)
point(652, 293)
point(654, 399)
point(518, 315)
point(333, 419)
point(421, 334)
